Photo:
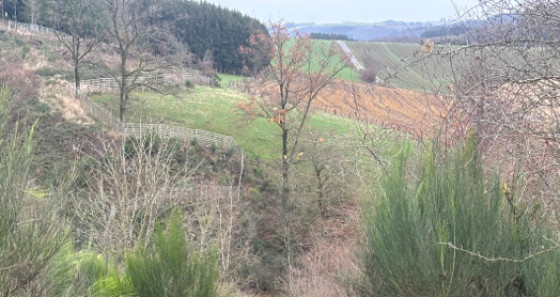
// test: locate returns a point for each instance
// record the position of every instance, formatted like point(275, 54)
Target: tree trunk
point(285, 169)
point(123, 87)
point(76, 58)
point(320, 191)
point(123, 99)
point(77, 79)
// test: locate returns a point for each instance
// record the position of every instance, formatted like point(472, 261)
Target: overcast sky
point(336, 11)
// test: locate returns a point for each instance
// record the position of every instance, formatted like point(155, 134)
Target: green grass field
point(348, 73)
point(214, 109)
point(321, 47)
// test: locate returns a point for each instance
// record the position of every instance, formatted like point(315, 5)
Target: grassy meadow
point(215, 109)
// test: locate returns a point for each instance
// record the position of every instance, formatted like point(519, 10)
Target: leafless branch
point(500, 259)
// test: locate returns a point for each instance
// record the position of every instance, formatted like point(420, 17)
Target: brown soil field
point(408, 111)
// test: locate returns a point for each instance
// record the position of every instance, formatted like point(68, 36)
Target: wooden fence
point(144, 83)
point(139, 130)
point(26, 27)
point(98, 112)
point(202, 137)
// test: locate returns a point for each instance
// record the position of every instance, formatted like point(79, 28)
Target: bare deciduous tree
point(129, 28)
point(297, 75)
point(506, 85)
point(128, 192)
point(139, 182)
point(78, 23)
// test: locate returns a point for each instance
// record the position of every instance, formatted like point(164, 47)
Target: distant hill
point(382, 31)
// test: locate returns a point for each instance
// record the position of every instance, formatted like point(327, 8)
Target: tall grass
point(454, 232)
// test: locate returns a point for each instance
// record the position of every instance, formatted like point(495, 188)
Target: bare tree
point(297, 75)
point(141, 183)
point(131, 30)
point(78, 23)
point(127, 193)
point(506, 85)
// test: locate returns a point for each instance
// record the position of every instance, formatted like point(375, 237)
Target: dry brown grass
point(331, 260)
point(59, 95)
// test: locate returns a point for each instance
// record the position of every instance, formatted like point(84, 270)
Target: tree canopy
point(236, 43)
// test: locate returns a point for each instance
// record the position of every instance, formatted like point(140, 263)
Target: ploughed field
point(412, 112)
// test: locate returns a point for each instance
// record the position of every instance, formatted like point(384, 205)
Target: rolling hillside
point(404, 65)
point(320, 224)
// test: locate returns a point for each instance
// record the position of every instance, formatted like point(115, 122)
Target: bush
point(74, 273)
point(30, 234)
point(454, 234)
point(369, 74)
point(20, 83)
point(168, 267)
point(215, 80)
point(50, 55)
point(189, 84)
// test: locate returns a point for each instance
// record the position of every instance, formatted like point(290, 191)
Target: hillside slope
point(404, 65)
point(324, 226)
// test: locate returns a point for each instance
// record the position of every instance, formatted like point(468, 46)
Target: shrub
point(74, 273)
point(454, 233)
point(50, 55)
point(189, 84)
point(213, 148)
point(168, 267)
point(369, 74)
point(30, 234)
point(20, 83)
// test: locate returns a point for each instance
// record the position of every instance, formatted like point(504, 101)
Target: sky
point(338, 11)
